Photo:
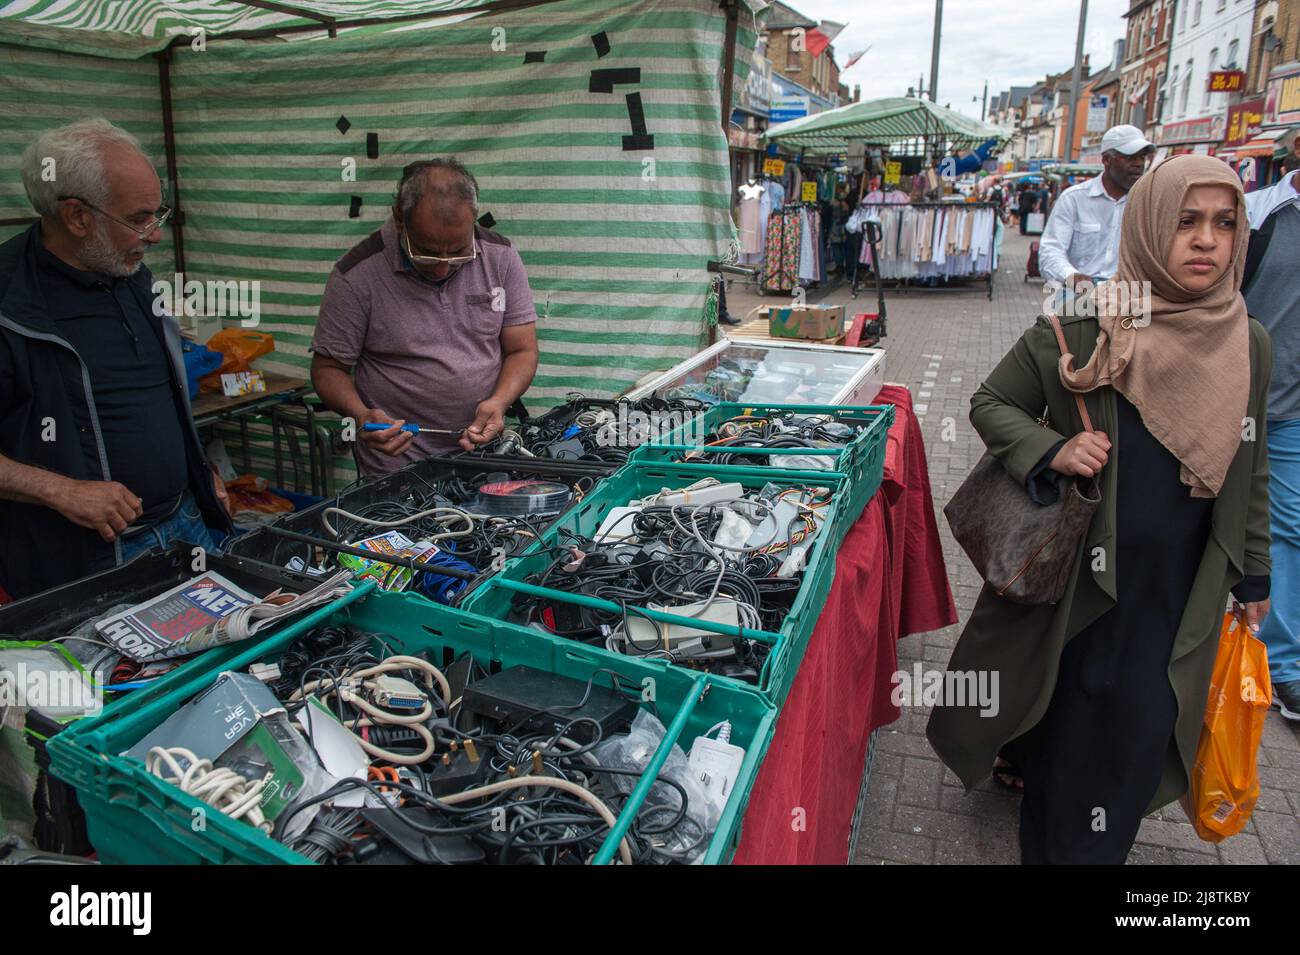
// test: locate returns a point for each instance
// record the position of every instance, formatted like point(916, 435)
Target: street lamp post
point(1074, 84)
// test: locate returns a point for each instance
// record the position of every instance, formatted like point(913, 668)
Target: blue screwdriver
point(412, 428)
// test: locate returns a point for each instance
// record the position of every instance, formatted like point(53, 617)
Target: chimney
point(1118, 58)
point(857, 92)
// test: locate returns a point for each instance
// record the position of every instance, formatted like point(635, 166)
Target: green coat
point(1022, 644)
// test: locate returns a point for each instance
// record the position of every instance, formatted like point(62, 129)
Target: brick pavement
point(942, 345)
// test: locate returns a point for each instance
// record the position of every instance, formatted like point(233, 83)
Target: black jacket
point(42, 381)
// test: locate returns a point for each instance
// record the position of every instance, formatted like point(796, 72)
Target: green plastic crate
point(858, 465)
point(134, 817)
point(637, 480)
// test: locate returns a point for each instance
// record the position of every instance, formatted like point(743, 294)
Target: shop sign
point(808, 193)
point(1226, 81)
point(787, 107)
point(1203, 130)
point(1282, 106)
point(1098, 109)
point(1244, 121)
point(893, 173)
point(774, 167)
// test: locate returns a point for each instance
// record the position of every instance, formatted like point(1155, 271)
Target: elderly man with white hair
point(99, 457)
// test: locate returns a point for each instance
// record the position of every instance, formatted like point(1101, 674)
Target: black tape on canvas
point(604, 81)
point(640, 138)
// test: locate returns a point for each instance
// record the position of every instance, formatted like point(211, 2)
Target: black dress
point(1092, 764)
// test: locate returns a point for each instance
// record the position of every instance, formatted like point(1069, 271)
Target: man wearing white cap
point(1080, 243)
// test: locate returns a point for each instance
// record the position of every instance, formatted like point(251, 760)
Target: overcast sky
point(1006, 43)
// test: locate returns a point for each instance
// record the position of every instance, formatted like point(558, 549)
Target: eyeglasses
point(437, 259)
point(160, 217)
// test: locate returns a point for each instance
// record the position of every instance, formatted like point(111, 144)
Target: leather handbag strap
point(1065, 350)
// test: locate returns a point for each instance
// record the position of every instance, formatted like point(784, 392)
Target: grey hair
point(417, 185)
point(77, 151)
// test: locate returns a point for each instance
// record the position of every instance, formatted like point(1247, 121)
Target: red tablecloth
point(890, 581)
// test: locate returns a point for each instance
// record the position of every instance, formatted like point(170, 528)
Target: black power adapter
point(524, 700)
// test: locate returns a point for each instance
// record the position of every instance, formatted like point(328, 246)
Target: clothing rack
point(948, 283)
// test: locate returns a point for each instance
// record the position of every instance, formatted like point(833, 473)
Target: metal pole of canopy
point(329, 22)
point(492, 6)
point(728, 60)
point(169, 144)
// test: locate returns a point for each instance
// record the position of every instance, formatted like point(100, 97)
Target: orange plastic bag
point(238, 347)
point(252, 493)
point(1225, 777)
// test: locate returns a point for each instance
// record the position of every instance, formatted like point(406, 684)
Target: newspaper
point(236, 624)
point(142, 631)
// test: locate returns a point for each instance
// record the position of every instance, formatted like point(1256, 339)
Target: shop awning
point(1265, 144)
point(1074, 169)
point(884, 121)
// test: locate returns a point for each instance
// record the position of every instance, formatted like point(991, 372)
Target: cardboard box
point(807, 322)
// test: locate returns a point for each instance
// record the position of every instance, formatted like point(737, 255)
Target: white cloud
point(1009, 44)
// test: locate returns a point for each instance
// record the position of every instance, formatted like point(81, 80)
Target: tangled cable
point(222, 788)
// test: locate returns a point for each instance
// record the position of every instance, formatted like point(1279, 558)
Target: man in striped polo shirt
point(429, 320)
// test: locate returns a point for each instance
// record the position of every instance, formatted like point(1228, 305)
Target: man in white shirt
point(1080, 242)
point(1261, 203)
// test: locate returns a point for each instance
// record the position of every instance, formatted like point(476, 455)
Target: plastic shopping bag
point(238, 348)
point(1225, 778)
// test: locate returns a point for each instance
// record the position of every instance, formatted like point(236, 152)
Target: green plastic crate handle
point(651, 773)
point(595, 603)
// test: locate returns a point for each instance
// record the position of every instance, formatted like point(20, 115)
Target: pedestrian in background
point(1028, 202)
point(1103, 694)
point(1081, 239)
point(1272, 292)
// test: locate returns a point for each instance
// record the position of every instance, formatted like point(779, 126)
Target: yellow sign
point(774, 167)
point(893, 173)
point(809, 193)
point(1227, 81)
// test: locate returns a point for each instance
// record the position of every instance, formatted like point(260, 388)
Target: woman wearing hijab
point(1102, 694)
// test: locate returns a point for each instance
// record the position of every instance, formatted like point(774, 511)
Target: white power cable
point(223, 788)
point(443, 514)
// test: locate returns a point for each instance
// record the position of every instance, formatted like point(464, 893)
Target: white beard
point(100, 255)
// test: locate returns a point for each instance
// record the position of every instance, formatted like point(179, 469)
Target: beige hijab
point(1188, 370)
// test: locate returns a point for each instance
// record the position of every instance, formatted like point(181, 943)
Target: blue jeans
point(185, 525)
point(1280, 630)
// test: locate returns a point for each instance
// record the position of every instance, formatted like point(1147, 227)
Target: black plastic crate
point(263, 547)
point(57, 612)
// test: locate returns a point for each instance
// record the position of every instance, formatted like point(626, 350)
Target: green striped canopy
point(271, 148)
point(884, 121)
point(132, 28)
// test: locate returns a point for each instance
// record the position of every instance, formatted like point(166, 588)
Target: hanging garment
point(807, 268)
point(750, 215)
point(772, 259)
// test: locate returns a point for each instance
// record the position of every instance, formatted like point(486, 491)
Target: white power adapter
point(716, 763)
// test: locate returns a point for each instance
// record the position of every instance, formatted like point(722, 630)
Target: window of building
point(1187, 89)
point(1205, 97)
point(1182, 17)
point(1233, 48)
point(1196, 13)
